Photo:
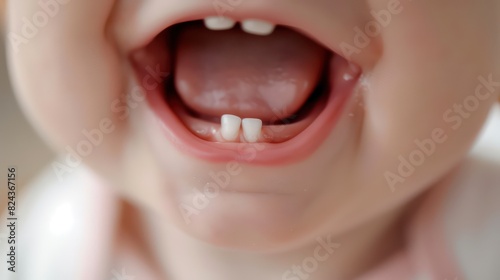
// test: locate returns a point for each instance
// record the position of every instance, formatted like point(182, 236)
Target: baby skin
point(252, 139)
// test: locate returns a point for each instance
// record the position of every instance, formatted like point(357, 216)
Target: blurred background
point(20, 146)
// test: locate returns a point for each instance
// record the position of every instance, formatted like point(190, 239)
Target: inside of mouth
point(281, 79)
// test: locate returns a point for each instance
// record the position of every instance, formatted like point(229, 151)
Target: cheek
point(67, 75)
point(425, 100)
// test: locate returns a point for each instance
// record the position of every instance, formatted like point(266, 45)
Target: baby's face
point(363, 104)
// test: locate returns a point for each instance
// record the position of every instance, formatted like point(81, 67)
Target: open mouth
point(231, 85)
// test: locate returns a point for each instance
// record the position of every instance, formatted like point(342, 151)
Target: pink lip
point(290, 151)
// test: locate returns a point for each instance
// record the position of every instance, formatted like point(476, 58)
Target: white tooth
point(257, 27)
point(219, 23)
point(251, 129)
point(230, 127)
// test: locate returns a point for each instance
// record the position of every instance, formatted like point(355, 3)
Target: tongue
point(233, 72)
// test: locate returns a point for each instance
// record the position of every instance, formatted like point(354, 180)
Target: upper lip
point(141, 23)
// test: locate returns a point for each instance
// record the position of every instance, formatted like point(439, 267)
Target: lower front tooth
point(251, 129)
point(230, 127)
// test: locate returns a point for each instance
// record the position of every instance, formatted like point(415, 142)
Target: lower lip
point(295, 149)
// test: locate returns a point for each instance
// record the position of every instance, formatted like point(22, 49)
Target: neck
point(339, 257)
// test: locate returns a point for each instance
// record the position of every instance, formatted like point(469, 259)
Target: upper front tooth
point(219, 23)
point(257, 26)
point(230, 127)
point(252, 129)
